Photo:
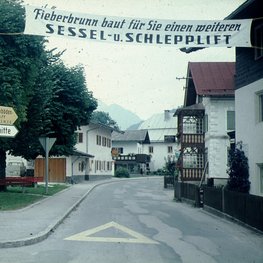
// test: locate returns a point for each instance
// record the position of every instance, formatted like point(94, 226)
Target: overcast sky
point(142, 79)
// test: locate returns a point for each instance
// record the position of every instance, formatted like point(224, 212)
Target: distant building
point(162, 129)
point(129, 150)
point(205, 120)
point(95, 140)
point(91, 160)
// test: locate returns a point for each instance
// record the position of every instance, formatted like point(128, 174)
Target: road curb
point(51, 228)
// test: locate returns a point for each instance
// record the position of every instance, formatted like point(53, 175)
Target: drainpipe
point(72, 174)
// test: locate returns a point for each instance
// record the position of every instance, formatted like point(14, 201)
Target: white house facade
point(249, 130)
point(162, 129)
point(93, 159)
point(249, 94)
point(207, 117)
point(220, 116)
point(129, 150)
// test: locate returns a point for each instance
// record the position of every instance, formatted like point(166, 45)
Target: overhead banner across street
point(177, 33)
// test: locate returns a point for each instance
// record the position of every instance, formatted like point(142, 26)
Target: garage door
point(57, 169)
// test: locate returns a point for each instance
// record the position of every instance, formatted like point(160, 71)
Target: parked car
point(15, 168)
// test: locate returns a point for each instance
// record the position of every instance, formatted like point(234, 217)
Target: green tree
point(20, 59)
point(238, 171)
point(104, 118)
point(49, 98)
point(70, 107)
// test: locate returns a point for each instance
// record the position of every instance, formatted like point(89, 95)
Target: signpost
point(47, 144)
point(8, 131)
point(7, 119)
point(7, 115)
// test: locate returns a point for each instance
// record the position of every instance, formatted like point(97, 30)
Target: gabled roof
point(160, 125)
point(82, 154)
point(107, 127)
point(194, 107)
point(249, 9)
point(213, 78)
point(159, 121)
point(132, 136)
point(209, 79)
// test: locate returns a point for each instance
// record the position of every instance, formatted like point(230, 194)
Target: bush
point(122, 172)
point(238, 171)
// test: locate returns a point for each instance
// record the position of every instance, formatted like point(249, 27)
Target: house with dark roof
point(129, 150)
point(204, 121)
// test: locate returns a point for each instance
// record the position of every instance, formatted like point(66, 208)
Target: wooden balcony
point(191, 174)
point(192, 139)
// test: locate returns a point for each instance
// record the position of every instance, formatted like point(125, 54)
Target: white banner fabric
point(177, 33)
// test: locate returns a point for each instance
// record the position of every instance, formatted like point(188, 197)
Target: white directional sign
point(8, 131)
point(7, 115)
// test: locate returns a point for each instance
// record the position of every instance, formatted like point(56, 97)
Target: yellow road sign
point(7, 115)
point(135, 237)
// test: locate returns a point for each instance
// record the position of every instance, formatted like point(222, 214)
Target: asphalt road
point(137, 221)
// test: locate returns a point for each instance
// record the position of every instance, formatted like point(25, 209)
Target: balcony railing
point(191, 174)
point(192, 138)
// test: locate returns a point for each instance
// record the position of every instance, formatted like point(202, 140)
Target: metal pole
point(46, 163)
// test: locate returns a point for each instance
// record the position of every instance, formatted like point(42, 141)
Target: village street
point(138, 221)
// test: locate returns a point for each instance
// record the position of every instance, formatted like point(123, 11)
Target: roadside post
point(47, 144)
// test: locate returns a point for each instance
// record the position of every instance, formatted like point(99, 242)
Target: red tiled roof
point(213, 78)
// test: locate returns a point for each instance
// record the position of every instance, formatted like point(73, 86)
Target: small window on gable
point(150, 149)
point(259, 42)
point(230, 120)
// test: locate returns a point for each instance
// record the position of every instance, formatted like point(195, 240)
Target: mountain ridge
point(124, 117)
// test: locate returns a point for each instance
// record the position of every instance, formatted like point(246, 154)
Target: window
point(104, 141)
point(98, 165)
point(150, 149)
point(79, 137)
point(116, 151)
point(260, 104)
point(230, 120)
point(109, 167)
point(259, 42)
point(261, 178)
point(98, 139)
point(81, 166)
point(170, 149)
point(193, 125)
point(109, 143)
point(193, 160)
point(206, 123)
point(169, 138)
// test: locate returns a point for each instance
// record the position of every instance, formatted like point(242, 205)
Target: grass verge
point(17, 197)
